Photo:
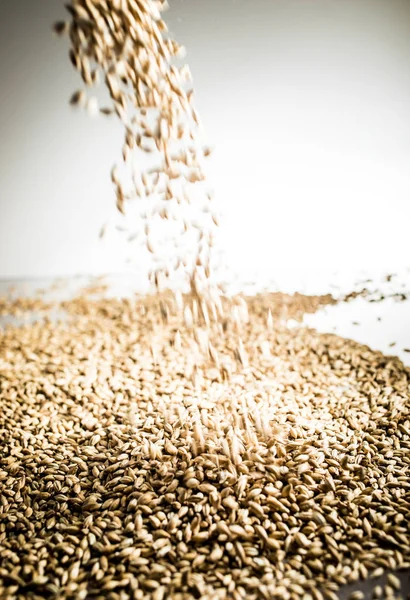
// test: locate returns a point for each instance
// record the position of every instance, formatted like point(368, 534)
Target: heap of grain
point(144, 455)
point(126, 42)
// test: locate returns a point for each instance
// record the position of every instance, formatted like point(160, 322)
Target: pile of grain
point(125, 43)
point(159, 449)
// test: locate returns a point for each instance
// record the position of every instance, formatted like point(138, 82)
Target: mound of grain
point(158, 448)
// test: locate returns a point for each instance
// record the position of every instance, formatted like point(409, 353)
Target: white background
point(306, 102)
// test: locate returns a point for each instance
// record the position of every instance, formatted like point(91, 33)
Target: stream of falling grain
point(125, 44)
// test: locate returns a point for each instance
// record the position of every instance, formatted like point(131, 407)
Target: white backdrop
point(306, 103)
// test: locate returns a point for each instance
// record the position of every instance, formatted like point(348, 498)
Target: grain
point(358, 595)
point(132, 464)
point(393, 581)
point(377, 592)
point(389, 592)
point(126, 46)
point(178, 446)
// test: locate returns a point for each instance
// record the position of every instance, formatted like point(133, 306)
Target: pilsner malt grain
point(178, 447)
point(126, 45)
point(143, 455)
